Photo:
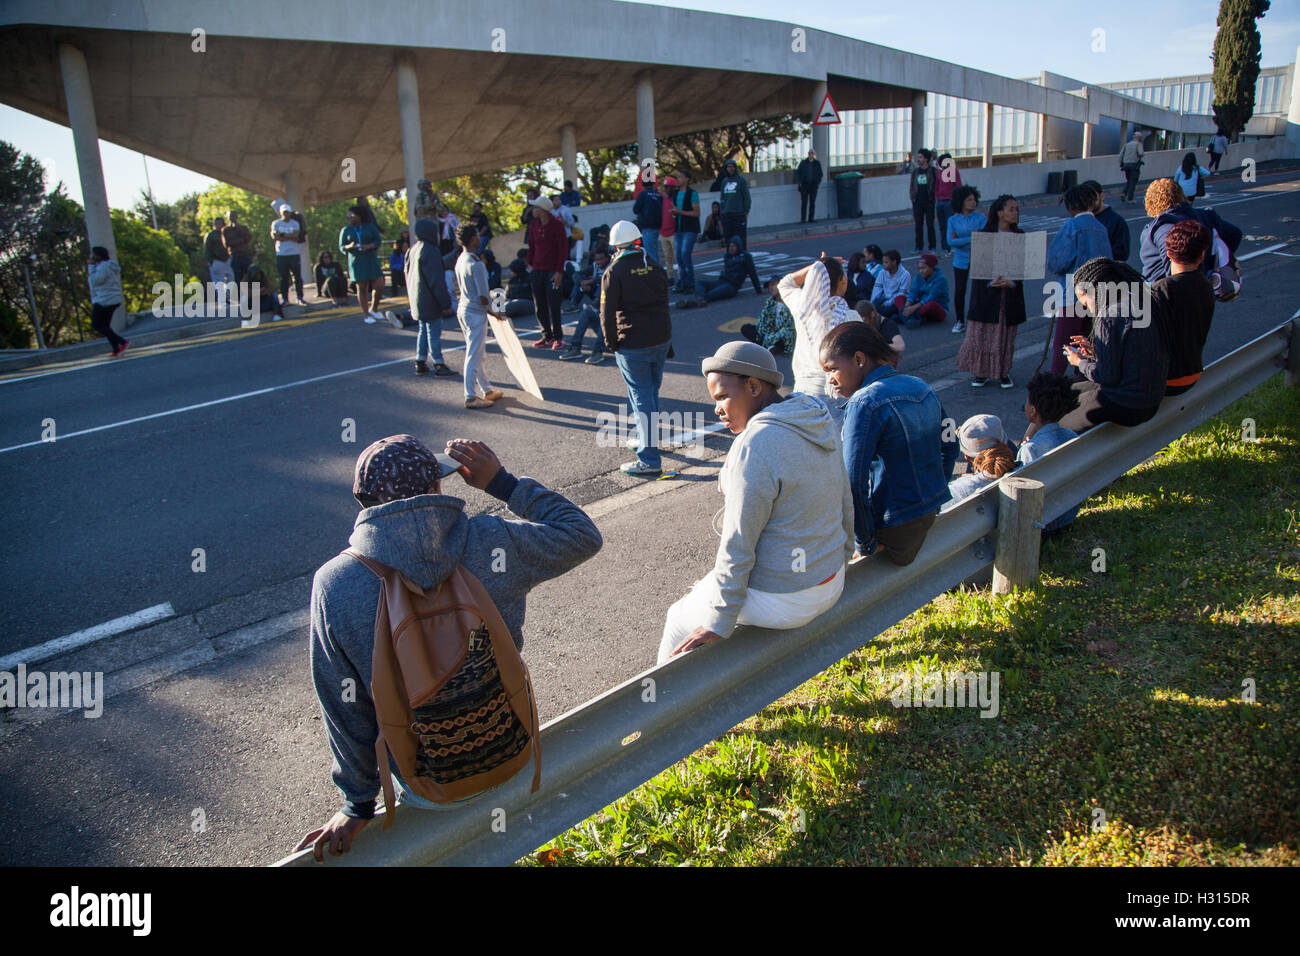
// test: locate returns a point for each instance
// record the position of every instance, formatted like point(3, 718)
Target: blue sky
point(1010, 37)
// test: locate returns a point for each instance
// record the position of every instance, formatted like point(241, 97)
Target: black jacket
point(634, 302)
point(986, 301)
point(809, 174)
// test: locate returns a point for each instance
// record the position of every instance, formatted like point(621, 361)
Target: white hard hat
point(624, 233)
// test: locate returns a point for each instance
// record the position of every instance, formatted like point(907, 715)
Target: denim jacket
point(893, 451)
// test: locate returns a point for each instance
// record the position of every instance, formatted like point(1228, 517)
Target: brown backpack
point(453, 698)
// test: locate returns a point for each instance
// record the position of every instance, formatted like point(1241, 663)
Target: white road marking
point(1260, 252)
point(69, 642)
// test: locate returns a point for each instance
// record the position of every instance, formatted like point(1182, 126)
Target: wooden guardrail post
point(1020, 520)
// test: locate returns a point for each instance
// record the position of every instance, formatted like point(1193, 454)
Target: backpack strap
point(381, 746)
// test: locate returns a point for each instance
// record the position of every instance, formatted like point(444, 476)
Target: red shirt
point(548, 245)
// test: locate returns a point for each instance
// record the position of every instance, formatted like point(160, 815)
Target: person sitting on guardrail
point(1125, 360)
point(408, 523)
point(1183, 303)
point(984, 445)
point(787, 520)
point(893, 443)
point(1050, 399)
point(1167, 205)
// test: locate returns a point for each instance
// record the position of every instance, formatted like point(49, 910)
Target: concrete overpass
point(277, 98)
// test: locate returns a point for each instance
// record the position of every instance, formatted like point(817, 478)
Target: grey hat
point(979, 432)
point(744, 358)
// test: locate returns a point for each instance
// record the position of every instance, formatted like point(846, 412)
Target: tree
point(146, 255)
point(179, 220)
point(607, 172)
point(22, 198)
point(1236, 63)
point(703, 153)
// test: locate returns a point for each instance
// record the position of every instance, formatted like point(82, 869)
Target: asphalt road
point(236, 445)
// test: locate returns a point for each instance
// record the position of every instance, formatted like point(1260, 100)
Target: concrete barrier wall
point(777, 205)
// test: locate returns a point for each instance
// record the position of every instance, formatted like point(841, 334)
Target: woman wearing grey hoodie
point(105, 277)
point(787, 524)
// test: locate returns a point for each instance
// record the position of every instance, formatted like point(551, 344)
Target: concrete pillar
point(645, 116)
point(569, 153)
point(988, 135)
point(1087, 126)
point(1042, 137)
point(408, 119)
point(293, 195)
point(821, 142)
point(918, 120)
point(1293, 113)
point(90, 168)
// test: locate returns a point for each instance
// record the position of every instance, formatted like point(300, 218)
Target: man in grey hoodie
point(426, 286)
point(787, 523)
point(407, 523)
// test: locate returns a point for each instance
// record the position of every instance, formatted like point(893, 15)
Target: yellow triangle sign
point(826, 113)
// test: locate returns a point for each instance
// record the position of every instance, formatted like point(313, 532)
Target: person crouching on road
point(787, 521)
point(408, 522)
point(634, 314)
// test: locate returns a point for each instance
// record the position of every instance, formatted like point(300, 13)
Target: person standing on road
point(638, 330)
point(287, 234)
point(430, 301)
point(1079, 240)
point(735, 201)
point(105, 278)
point(966, 219)
point(1217, 147)
point(949, 181)
point(686, 231)
point(237, 239)
point(997, 310)
point(218, 256)
point(548, 250)
point(809, 178)
point(1116, 225)
point(922, 193)
point(668, 230)
point(474, 305)
point(360, 239)
point(1190, 177)
point(478, 218)
point(409, 524)
point(1130, 161)
point(649, 212)
point(785, 494)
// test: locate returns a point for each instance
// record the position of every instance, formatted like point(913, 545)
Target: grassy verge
point(1125, 732)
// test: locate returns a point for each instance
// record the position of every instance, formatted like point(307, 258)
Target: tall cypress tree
point(1236, 63)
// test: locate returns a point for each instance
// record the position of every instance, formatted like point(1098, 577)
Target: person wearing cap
point(548, 250)
point(894, 453)
point(408, 523)
point(927, 299)
point(735, 201)
point(787, 518)
point(984, 445)
point(288, 236)
point(809, 178)
point(638, 330)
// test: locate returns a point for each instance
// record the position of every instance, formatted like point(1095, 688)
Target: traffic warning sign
point(827, 115)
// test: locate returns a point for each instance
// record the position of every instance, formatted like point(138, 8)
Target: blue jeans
point(588, 317)
point(945, 211)
point(683, 244)
point(428, 339)
point(643, 371)
point(716, 290)
point(650, 242)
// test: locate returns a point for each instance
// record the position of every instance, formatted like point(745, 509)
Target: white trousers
point(761, 609)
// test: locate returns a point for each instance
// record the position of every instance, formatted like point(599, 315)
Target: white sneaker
point(370, 319)
point(958, 327)
point(374, 315)
point(392, 318)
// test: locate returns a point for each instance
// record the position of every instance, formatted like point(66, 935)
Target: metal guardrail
point(603, 749)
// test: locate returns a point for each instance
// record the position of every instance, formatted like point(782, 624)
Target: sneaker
point(120, 349)
point(392, 318)
point(557, 345)
point(477, 402)
point(638, 469)
point(442, 371)
point(420, 367)
point(958, 327)
point(1005, 382)
point(570, 353)
point(370, 319)
point(978, 382)
point(542, 343)
point(375, 315)
point(492, 394)
point(596, 358)
point(632, 443)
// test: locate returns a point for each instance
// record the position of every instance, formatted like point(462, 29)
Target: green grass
point(1121, 692)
